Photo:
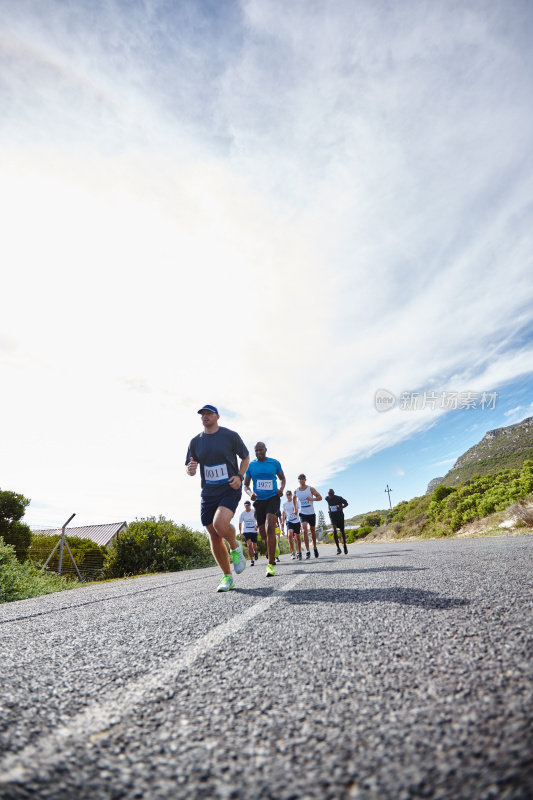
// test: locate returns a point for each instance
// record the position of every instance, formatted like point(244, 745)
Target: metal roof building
point(101, 534)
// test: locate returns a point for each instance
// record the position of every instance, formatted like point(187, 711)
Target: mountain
point(502, 448)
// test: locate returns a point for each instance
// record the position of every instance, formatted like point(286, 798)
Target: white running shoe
point(237, 556)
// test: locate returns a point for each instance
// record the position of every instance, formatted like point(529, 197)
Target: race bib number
point(216, 474)
point(333, 509)
point(264, 485)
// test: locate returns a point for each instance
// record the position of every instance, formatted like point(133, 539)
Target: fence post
point(62, 543)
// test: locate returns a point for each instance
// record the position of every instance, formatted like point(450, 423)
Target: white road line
point(110, 710)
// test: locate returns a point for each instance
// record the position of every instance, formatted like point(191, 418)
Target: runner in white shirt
point(292, 522)
point(248, 528)
point(306, 496)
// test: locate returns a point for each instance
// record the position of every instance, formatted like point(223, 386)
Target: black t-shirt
point(217, 455)
point(336, 505)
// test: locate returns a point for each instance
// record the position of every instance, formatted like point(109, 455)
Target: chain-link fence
point(71, 556)
point(77, 552)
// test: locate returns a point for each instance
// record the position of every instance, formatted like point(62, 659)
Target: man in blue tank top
point(215, 451)
point(264, 473)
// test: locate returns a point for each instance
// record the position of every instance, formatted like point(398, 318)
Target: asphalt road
point(398, 671)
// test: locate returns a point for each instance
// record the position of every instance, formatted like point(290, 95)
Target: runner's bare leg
point(271, 522)
point(220, 529)
point(306, 536)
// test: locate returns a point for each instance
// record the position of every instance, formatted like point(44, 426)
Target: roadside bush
point(526, 478)
point(353, 534)
point(441, 492)
point(14, 532)
point(374, 520)
point(480, 496)
point(156, 545)
point(19, 581)
point(400, 511)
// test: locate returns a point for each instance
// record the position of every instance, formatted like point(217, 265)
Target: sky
point(286, 210)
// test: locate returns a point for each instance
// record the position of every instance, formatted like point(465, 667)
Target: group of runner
point(216, 451)
point(288, 519)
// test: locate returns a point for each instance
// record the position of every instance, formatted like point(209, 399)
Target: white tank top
point(306, 506)
point(288, 507)
point(248, 518)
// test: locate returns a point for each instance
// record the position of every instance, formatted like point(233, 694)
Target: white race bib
point(218, 473)
point(333, 509)
point(264, 485)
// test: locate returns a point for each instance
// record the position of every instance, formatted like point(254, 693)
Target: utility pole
point(389, 490)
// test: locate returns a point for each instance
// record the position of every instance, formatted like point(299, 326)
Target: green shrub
point(441, 492)
point(399, 512)
point(374, 520)
point(353, 534)
point(157, 545)
point(480, 496)
point(19, 581)
point(14, 532)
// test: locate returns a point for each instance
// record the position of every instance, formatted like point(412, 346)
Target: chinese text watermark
point(447, 401)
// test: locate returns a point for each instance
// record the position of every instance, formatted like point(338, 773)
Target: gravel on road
point(398, 671)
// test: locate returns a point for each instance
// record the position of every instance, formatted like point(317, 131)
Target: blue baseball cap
point(207, 407)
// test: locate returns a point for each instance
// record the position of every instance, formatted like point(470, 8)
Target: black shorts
point(310, 518)
point(293, 526)
point(264, 507)
point(250, 536)
point(225, 496)
point(337, 520)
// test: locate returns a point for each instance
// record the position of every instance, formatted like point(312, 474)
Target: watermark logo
point(447, 401)
point(384, 400)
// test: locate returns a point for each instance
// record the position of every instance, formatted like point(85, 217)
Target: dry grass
point(523, 512)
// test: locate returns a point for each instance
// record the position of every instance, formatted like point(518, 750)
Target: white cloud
point(512, 412)
point(331, 200)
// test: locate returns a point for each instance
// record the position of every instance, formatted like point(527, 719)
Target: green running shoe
point(270, 573)
point(237, 556)
point(226, 584)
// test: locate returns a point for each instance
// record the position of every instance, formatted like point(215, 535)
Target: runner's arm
point(248, 489)
point(281, 476)
point(191, 467)
point(316, 495)
point(242, 469)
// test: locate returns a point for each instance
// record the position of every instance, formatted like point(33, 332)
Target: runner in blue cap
point(265, 473)
point(215, 451)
